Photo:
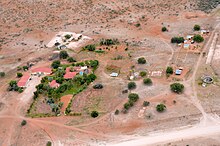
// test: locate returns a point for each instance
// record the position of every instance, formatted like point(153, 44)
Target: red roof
point(43, 69)
point(76, 68)
point(54, 84)
point(24, 79)
point(70, 75)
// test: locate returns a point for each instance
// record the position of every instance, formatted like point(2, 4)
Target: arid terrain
point(39, 115)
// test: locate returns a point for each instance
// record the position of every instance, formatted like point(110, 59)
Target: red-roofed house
point(54, 84)
point(23, 81)
point(70, 75)
point(42, 70)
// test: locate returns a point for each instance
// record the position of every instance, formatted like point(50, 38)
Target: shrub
point(141, 60)
point(98, 86)
point(109, 42)
point(160, 107)
point(49, 143)
point(67, 36)
point(71, 59)
point(2, 74)
point(23, 123)
point(133, 97)
point(143, 73)
point(91, 77)
point(169, 70)
point(138, 25)
point(196, 27)
point(116, 112)
point(164, 29)
point(63, 54)
point(198, 38)
point(55, 64)
point(131, 85)
point(146, 103)
point(19, 74)
point(177, 87)
point(90, 47)
point(94, 114)
point(127, 105)
point(25, 68)
point(147, 81)
point(177, 40)
point(20, 90)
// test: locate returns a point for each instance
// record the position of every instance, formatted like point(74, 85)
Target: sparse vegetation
point(109, 42)
point(141, 60)
point(177, 87)
point(160, 107)
point(131, 85)
point(2, 74)
point(90, 47)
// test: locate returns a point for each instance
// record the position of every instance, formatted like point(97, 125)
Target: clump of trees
point(177, 40)
point(196, 27)
point(109, 42)
point(164, 29)
point(132, 85)
point(141, 60)
point(133, 97)
point(177, 88)
point(55, 64)
point(13, 86)
point(90, 47)
point(94, 114)
point(147, 81)
point(169, 71)
point(63, 54)
point(2, 74)
point(198, 38)
point(160, 107)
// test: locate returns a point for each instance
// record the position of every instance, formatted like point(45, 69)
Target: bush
point(127, 105)
point(55, 64)
point(2, 74)
point(146, 103)
point(116, 112)
point(177, 87)
point(23, 123)
point(131, 85)
point(177, 40)
point(143, 73)
point(67, 36)
point(133, 97)
point(49, 143)
point(25, 68)
point(98, 86)
point(164, 29)
point(109, 42)
point(196, 27)
point(160, 107)
point(198, 38)
point(138, 25)
point(169, 70)
point(141, 60)
point(63, 54)
point(90, 47)
point(20, 90)
point(71, 59)
point(19, 74)
point(147, 81)
point(94, 114)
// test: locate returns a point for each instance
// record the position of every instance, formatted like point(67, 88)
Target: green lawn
point(74, 90)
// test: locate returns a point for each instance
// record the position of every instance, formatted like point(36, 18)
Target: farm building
point(70, 75)
point(114, 74)
point(42, 70)
point(178, 72)
point(54, 84)
point(23, 81)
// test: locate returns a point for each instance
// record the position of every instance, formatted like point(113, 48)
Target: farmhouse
point(23, 81)
point(42, 70)
point(70, 75)
point(54, 84)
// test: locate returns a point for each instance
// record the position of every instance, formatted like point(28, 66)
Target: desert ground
point(190, 118)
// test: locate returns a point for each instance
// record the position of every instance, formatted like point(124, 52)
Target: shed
point(114, 74)
point(178, 72)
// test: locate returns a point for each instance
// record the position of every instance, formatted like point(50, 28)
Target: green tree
point(94, 114)
point(127, 105)
point(55, 64)
point(147, 81)
point(67, 36)
point(25, 68)
point(160, 107)
point(19, 74)
point(63, 54)
point(116, 112)
point(169, 70)
point(90, 47)
point(146, 103)
point(49, 143)
point(196, 27)
point(164, 29)
point(71, 59)
point(133, 97)
point(2, 74)
point(143, 73)
point(141, 60)
point(131, 85)
point(23, 123)
point(177, 87)
point(177, 40)
point(198, 38)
